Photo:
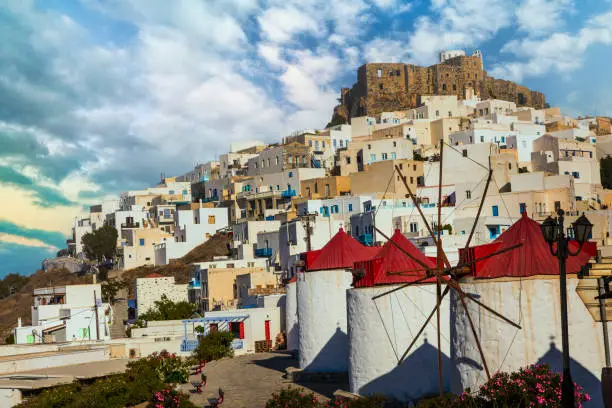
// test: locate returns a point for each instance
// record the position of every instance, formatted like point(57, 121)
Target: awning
point(217, 319)
point(54, 328)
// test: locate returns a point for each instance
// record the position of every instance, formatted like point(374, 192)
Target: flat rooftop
point(51, 377)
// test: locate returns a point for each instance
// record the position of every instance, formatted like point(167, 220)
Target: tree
point(605, 168)
point(165, 309)
point(111, 287)
point(12, 283)
point(100, 244)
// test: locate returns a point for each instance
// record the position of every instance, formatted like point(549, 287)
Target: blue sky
point(100, 96)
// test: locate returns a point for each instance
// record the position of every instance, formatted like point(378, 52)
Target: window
point(277, 160)
point(509, 166)
point(323, 144)
point(450, 113)
point(142, 241)
point(414, 227)
point(369, 147)
point(503, 139)
point(454, 87)
point(316, 188)
point(394, 144)
point(413, 167)
point(345, 142)
point(379, 73)
point(380, 86)
point(481, 139)
point(495, 211)
point(341, 145)
point(327, 192)
point(290, 174)
point(250, 264)
point(411, 180)
point(229, 266)
point(171, 192)
point(263, 164)
point(468, 194)
point(437, 113)
point(211, 219)
point(372, 157)
point(316, 144)
point(465, 153)
point(444, 87)
point(310, 143)
point(268, 162)
point(350, 207)
point(348, 160)
point(576, 174)
point(393, 155)
point(384, 156)
point(522, 207)
point(334, 142)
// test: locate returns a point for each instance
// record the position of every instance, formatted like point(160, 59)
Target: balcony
point(130, 225)
point(263, 252)
point(288, 193)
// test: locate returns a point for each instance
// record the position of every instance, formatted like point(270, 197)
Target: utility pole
point(97, 319)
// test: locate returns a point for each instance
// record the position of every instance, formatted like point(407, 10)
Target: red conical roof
point(391, 259)
point(530, 259)
point(339, 253)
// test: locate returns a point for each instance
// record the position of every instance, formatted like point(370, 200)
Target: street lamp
point(553, 232)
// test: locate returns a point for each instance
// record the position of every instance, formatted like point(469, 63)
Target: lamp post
point(554, 232)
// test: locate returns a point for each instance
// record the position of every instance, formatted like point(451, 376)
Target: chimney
point(200, 203)
point(19, 322)
point(93, 278)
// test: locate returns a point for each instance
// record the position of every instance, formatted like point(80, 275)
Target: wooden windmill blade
point(441, 271)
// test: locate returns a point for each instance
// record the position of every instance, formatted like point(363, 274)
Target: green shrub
point(215, 345)
point(142, 378)
point(165, 309)
point(294, 398)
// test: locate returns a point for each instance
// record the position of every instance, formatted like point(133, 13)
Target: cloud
point(451, 24)
point(49, 239)
point(42, 195)
point(558, 52)
point(537, 17)
point(280, 25)
point(14, 239)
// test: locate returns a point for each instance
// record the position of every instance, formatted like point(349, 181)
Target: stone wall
point(385, 87)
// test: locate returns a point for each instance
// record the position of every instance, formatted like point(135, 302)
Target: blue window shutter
point(495, 211)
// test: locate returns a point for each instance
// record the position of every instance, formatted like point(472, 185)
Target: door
point(267, 328)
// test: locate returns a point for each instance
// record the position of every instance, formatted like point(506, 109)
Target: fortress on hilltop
point(387, 87)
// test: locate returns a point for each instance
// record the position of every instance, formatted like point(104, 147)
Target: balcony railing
point(288, 193)
point(130, 225)
point(263, 252)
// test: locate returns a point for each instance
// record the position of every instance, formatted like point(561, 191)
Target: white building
point(340, 136)
point(81, 227)
point(245, 235)
point(151, 288)
point(192, 228)
point(65, 314)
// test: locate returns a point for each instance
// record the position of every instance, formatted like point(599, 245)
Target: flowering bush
point(170, 368)
point(531, 386)
point(169, 398)
point(297, 398)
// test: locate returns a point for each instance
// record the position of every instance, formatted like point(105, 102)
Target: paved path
point(249, 381)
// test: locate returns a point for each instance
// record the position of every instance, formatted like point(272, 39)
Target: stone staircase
point(120, 314)
point(588, 288)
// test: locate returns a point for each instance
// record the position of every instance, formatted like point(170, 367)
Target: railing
point(189, 345)
point(263, 252)
point(130, 225)
point(288, 193)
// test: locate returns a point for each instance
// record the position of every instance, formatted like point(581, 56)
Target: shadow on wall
point(416, 377)
point(333, 357)
point(293, 334)
point(580, 375)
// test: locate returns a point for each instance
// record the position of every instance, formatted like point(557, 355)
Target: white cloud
point(15, 239)
point(557, 52)
point(456, 24)
point(541, 16)
point(280, 25)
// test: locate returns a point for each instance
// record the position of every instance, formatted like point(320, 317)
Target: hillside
point(217, 245)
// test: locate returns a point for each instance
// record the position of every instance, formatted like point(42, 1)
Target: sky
point(101, 96)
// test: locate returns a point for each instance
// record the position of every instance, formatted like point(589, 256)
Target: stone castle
point(385, 87)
